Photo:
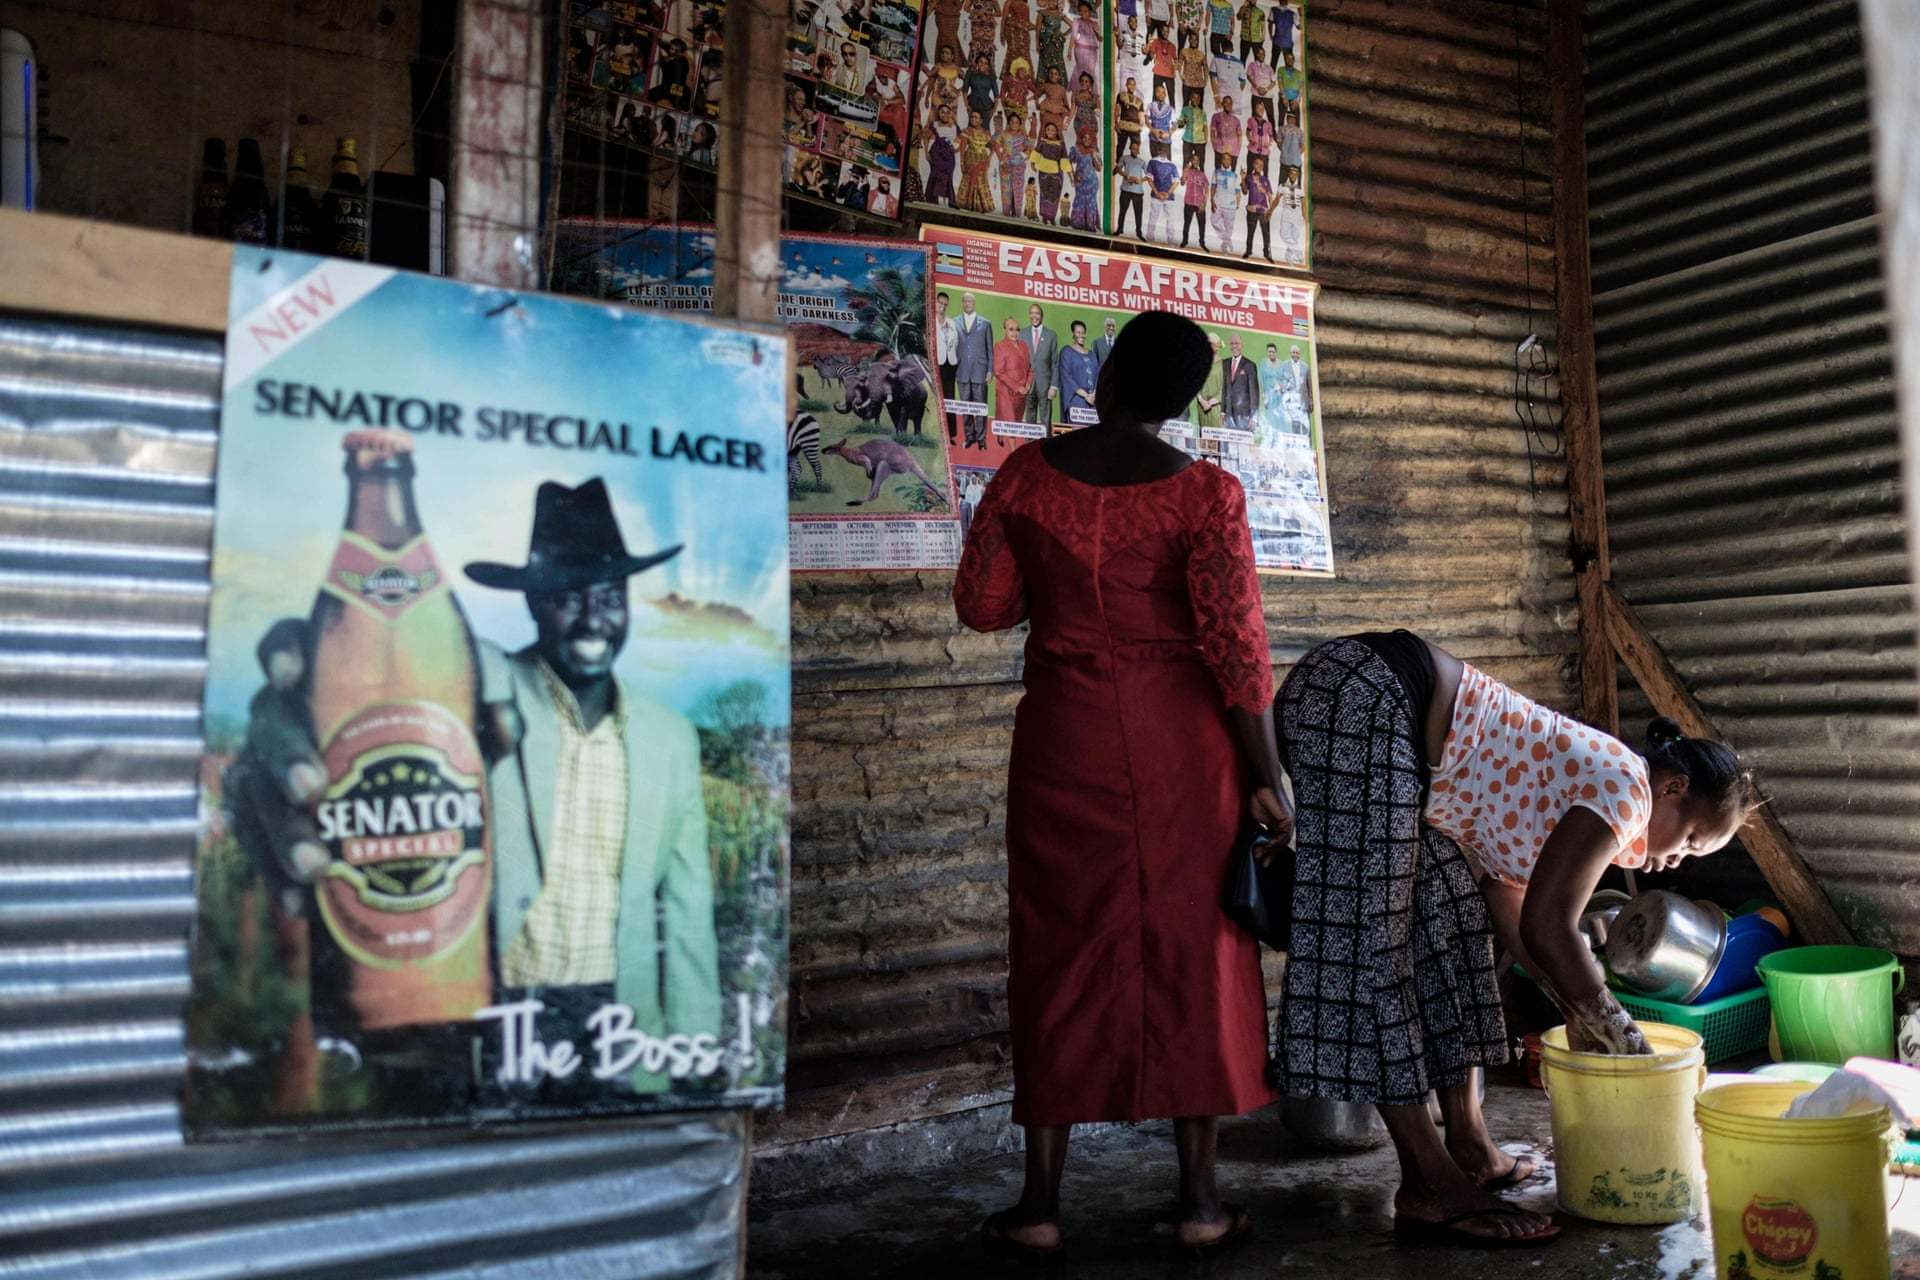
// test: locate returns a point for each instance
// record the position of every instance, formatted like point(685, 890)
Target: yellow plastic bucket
point(1623, 1140)
point(1794, 1199)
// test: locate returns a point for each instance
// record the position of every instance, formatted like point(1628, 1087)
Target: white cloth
point(1846, 1093)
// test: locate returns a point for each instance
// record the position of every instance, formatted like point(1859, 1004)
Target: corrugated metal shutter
point(106, 460)
point(1747, 412)
point(901, 720)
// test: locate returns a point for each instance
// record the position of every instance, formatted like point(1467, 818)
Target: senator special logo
point(389, 585)
point(1780, 1231)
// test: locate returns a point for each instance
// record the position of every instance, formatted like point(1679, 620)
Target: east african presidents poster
point(1037, 321)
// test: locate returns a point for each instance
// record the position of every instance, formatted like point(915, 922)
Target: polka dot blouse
point(1512, 769)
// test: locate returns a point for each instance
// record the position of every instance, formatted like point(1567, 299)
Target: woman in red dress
point(1138, 750)
point(1012, 373)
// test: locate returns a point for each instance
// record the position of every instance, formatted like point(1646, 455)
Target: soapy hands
point(1598, 1024)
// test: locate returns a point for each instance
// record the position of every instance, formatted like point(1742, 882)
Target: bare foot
point(1494, 1219)
point(1023, 1231)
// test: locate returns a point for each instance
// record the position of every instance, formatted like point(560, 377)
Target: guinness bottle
point(404, 901)
point(346, 205)
point(299, 216)
point(247, 205)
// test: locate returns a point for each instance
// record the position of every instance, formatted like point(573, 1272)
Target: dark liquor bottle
point(299, 215)
point(210, 192)
point(247, 199)
point(346, 205)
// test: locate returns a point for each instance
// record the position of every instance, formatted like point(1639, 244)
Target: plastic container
point(1814, 1073)
point(1729, 1027)
point(1623, 1136)
point(1794, 1199)
point(1749, 940)
point(1833, 1003)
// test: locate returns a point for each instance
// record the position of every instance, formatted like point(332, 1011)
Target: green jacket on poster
point(673, 990)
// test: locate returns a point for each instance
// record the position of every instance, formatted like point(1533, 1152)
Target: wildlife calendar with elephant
point(497, 710)
point(869, 477)
point(1028, 325)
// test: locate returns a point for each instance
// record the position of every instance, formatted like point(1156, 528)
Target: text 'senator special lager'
point(405, 897)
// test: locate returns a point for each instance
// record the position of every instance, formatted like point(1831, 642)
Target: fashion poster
point(646, 74)
point(867, 448)
point(494, 820)
point(849, 87)
point(1050, 314)
point(1210, 127)
point(1011, 115)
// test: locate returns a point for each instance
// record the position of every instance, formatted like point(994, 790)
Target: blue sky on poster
point(282, 494)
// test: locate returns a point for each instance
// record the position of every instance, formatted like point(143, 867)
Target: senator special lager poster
point(496, 710)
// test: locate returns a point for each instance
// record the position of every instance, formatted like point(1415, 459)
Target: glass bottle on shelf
point(247, 209)
point(345, 228)
point(299, 215)
point(210, 191)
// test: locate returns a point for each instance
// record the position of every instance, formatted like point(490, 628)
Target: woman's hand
point(1273, 813)
point(1599, 1025)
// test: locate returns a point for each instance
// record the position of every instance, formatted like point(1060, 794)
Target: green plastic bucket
point(1833, 1003)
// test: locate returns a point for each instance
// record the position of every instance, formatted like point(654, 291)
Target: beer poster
point(494, 820)
point(849, 85)
point(1011, 111)
point(1210, 128)
point(1051, 314)
point(867, 450)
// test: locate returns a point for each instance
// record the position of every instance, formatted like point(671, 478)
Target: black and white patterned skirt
point(1390, 988)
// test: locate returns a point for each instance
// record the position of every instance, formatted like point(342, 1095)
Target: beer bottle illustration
point(405, 897)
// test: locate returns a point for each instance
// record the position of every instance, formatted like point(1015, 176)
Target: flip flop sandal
point(1512, 1177)
point(999, 1242)
point(1446, 1234)
point(1238, 1232)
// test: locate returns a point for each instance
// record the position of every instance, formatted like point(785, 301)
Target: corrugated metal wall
point(1747, 414)
point(902, 720)
point(106, 460)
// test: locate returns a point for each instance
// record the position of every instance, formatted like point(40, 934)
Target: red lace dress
point(1132, 996)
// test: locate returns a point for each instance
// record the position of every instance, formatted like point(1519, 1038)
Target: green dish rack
point(1730, 1026)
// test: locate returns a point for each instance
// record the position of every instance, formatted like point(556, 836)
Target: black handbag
point(1260, 898)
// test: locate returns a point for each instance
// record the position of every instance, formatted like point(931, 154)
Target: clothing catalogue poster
point(1210, 128)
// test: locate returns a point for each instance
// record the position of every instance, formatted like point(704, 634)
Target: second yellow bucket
point(1623, 1138)
point(1794, 1199)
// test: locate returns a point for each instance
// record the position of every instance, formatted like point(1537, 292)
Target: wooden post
point(1772, 848)
point(495, 186)
point(746, 271)
point(746, 268)
point(1586, 488)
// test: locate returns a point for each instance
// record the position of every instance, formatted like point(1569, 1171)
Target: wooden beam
point(1772, 848)
point(746, 270)
point(495, 185)
point(1586, 488)
point(125, 275)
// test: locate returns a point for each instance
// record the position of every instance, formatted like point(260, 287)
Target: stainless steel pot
point(1666, 947)
point(1333, 1126)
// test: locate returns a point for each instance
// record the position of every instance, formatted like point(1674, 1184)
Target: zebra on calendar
point(803, 440)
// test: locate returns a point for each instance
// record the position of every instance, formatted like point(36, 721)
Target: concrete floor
point(1315, 1215)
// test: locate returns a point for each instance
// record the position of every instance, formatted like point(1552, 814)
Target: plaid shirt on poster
point(568, 938)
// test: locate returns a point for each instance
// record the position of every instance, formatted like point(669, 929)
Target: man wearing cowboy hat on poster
point(597, 808)
point(599, 823)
